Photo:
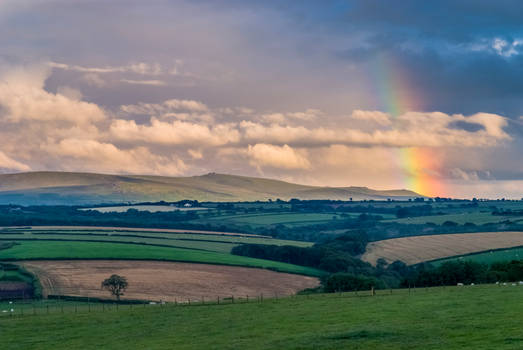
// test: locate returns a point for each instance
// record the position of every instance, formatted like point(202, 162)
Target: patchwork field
point(288, 219)
point(167, 281)
point(413, 250)
point(214, 242)
point(38, 250)
point(116, 229)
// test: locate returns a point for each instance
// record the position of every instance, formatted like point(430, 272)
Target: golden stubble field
point(167, 281)
point(413, 250)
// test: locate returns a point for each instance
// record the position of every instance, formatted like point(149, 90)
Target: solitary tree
point(116, 285)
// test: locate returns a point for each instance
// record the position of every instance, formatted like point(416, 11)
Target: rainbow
point(419, 168)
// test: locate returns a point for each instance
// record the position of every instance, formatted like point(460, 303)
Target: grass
point(488, 257)
point(477, 218)
point(217, 237)
point(480, 317)
point(31, 250)
point(290, 219)
point(215, 243)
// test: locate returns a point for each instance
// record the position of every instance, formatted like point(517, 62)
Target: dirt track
point(413, 250)
point(166, 281)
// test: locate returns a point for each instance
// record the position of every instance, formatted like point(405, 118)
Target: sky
point(426, 96)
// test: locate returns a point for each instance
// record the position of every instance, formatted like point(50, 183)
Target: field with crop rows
point(413, 250)
point(162, 280)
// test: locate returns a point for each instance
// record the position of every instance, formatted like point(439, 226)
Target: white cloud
point(169, 106)
point(283, 157)
point(195, 154)
point(373, 116)
point(23, 97)
point(144, 82)
point(505, 48)
point(141, 68)
point(9, 163)
point(174, 133)
point(105, 157)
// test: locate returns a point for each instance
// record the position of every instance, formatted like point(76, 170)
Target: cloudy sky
point(405, 94)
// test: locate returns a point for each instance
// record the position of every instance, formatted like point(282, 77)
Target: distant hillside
point(86, 188)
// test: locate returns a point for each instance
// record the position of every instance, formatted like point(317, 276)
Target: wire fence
point(73, 304)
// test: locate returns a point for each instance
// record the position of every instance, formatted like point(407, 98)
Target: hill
point(88, 188)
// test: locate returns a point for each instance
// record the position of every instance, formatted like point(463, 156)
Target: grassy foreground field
point(479, 317)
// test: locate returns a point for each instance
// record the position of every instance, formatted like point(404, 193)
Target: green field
point(290, 219)
point(215, 243)
point(436, 318)
point(488, 257)
point(96, 250)
point(478, 218)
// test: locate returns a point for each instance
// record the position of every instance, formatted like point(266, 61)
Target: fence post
point(218, 300)
point(232, 298)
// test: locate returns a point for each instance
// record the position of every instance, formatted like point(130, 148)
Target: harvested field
point(166, 281)
point(413, 250)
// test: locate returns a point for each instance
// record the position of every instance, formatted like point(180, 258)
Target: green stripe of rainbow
point(419, 167)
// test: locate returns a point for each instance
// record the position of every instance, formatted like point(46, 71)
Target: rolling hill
point(89, 188)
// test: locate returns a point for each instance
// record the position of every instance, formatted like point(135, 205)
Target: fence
point(63, 304)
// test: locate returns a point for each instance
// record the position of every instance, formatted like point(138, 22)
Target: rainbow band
point(420, 168)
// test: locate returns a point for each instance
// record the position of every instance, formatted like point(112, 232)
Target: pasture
point(289, 219)
point(216, 242)
point(413, 250)
point(488, 257)
point(166, 281)
point(476, 217)
point(435, 318)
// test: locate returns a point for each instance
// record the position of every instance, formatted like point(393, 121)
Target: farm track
point(152, 280)
point(417, 249)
